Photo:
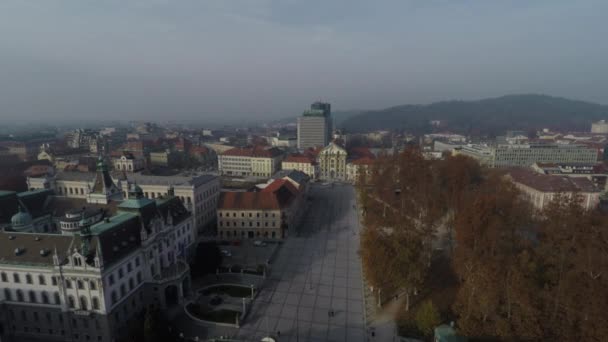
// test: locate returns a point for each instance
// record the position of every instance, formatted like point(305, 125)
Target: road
point(317, 270)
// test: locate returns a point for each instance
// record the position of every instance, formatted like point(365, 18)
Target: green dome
point(21, 219)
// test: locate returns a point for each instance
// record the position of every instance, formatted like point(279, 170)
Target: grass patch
point(230, 290)
point(218, 316)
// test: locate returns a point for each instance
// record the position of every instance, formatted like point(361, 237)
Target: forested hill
point(488, 116)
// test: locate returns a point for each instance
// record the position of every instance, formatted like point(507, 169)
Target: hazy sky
point(180, 59)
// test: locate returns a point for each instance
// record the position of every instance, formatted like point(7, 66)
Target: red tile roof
point(363, 161)
point(284, 191)
point(547, 183)
point(248, 201)
point(299, 158)
point(256, 152)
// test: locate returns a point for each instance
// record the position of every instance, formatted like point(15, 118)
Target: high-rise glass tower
point(315, 126)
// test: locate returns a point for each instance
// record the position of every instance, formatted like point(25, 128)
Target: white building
point(600, 127)
point(87, 286)
point(199, 193)
point(129, 162)
point(302, 163)
point(250, 162)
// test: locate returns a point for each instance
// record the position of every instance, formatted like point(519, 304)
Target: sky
point(261, 59)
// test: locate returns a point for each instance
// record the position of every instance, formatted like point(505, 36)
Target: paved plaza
point(317, 271)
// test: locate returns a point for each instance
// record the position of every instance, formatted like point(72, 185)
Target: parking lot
point(246, 254)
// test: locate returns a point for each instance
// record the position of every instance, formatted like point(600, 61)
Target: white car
point(259, 243)
point(226, 252)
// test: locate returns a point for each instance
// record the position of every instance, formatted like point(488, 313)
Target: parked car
point(226, 252)
point(259, 243)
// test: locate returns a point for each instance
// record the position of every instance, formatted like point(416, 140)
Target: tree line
point(521, 274)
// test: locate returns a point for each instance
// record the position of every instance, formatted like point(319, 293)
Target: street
point(314, 292)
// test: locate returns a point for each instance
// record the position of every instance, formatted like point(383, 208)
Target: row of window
point(245, 234)
point(235, 224)
point(234, 214)
point(123, 288)
point(120, 272)
point(28, 279)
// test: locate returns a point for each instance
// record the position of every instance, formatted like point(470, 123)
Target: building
point(129, 162)
point(254, 161)
point(300, 162)
point(525, 155)
point(199, 193)
point(600, 127)
point(165, 158)
point(358, 167)
point(87, 282)
point(332, 162)
point(266, 214)
point(297, 178)
point(541, 189)
point(315, 126)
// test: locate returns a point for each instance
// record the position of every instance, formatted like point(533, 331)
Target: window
point(83, 303)
point(120, 273)
point(19, 296)
point(16, 278)
point(41, 280)
point(131, 284)
point(71, 302)
point(57, 298)
point(113, 297)
point(80, 284)
point(139, 277)
point(45, 298)
point(123, 290)
point(95, 302)
point(8, 294)
point(32, 296)
point(3, 277)
point(92, 285)
point(137, 262)
point(111, 279)
point(54, 281)
point(68, 284)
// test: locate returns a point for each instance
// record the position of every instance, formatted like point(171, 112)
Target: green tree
point(427, 318)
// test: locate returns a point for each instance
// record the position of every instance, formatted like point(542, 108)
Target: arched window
point(41, 280)
point(45, 298)
point(32, 296)
point(3, 277)
point(19, 296)
point(83, 303)
point(92, 285)
point(68, 284)
point(57, 298)
point(8, 295)
point(71, 302)
point(95, 302)
point(80, 284)
point(16, 278)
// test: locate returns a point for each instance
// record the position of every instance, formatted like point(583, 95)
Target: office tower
point(315, 126)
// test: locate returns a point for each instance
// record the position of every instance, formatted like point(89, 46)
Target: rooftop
point(248, 201)
point(548, 183)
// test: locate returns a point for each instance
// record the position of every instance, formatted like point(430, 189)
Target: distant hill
point(489, 116)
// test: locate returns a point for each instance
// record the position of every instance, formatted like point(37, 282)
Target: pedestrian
point(278, 333)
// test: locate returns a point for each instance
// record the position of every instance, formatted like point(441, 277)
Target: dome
point(21, 219)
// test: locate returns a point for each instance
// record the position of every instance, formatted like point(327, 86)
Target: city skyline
point(269, 59)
